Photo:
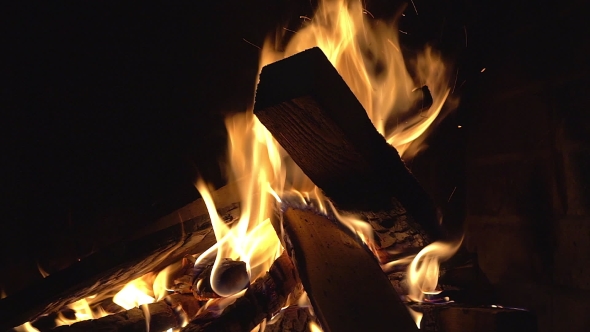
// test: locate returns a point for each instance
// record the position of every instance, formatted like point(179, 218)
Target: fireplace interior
point(113, 110)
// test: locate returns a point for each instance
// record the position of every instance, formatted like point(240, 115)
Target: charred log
point(346, 286)
point(163, 315)
point(309, 109)
point(186, 231)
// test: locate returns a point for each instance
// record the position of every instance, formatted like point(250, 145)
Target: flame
point(82, 311)
point(367, 55)
point(417, 316)
point(136, 292)
point(146, 289)
point(314, 327)
point(26, 327)
point(423, 272)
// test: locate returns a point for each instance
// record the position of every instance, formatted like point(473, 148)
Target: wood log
point(346, 286)
point(312, 113)
point(291, 319)
point(163, 315)
point(183, 232)
point(464, 318)
point(264, 298)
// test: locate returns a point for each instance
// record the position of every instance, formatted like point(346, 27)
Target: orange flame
point(367, 55)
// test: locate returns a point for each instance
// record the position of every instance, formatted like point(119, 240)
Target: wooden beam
point(346, 286)
point(312, 113)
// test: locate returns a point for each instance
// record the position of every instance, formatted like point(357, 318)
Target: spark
point(293, 31)
point(258, 47)
point(405, 33)
point(368, 13)
point(482, 70)
point(452, 193)
point(455, 84)
point(414, 5)
point(465, 31)
point(393, 44)
point(305, 18)
point(459, 126)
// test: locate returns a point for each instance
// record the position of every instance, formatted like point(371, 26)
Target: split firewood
point(344, 282)
point(264, 298)
point(163, 315)
point(313, 114)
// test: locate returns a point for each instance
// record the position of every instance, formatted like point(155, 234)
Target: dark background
point(110, 110)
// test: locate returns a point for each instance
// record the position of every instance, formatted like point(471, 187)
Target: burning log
point(185, 231)
point(265, 297)
point(163, 315)
point(313, 114)
point(346, 286)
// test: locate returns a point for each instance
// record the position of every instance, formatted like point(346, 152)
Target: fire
point(367, 54)
point(423, 272)
point(82, 311)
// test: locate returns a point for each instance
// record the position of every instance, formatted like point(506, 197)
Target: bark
point(311, 112)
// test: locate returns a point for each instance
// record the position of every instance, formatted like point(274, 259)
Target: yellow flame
point(417, 316)
point(82, 311)
point(367, 55)
point(423, 272)
point(26, 327)
point(314, 327)
point(136, 292)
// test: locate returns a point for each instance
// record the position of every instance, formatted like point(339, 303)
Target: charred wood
point(265, 297)
point(344, 282)
point(313, 114)
point(163, 315)
point(291, 319)
point(184, 232)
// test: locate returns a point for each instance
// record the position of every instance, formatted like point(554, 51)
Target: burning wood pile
point(274, 252)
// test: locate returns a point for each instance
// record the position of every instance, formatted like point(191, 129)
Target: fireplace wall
point(527, 161)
